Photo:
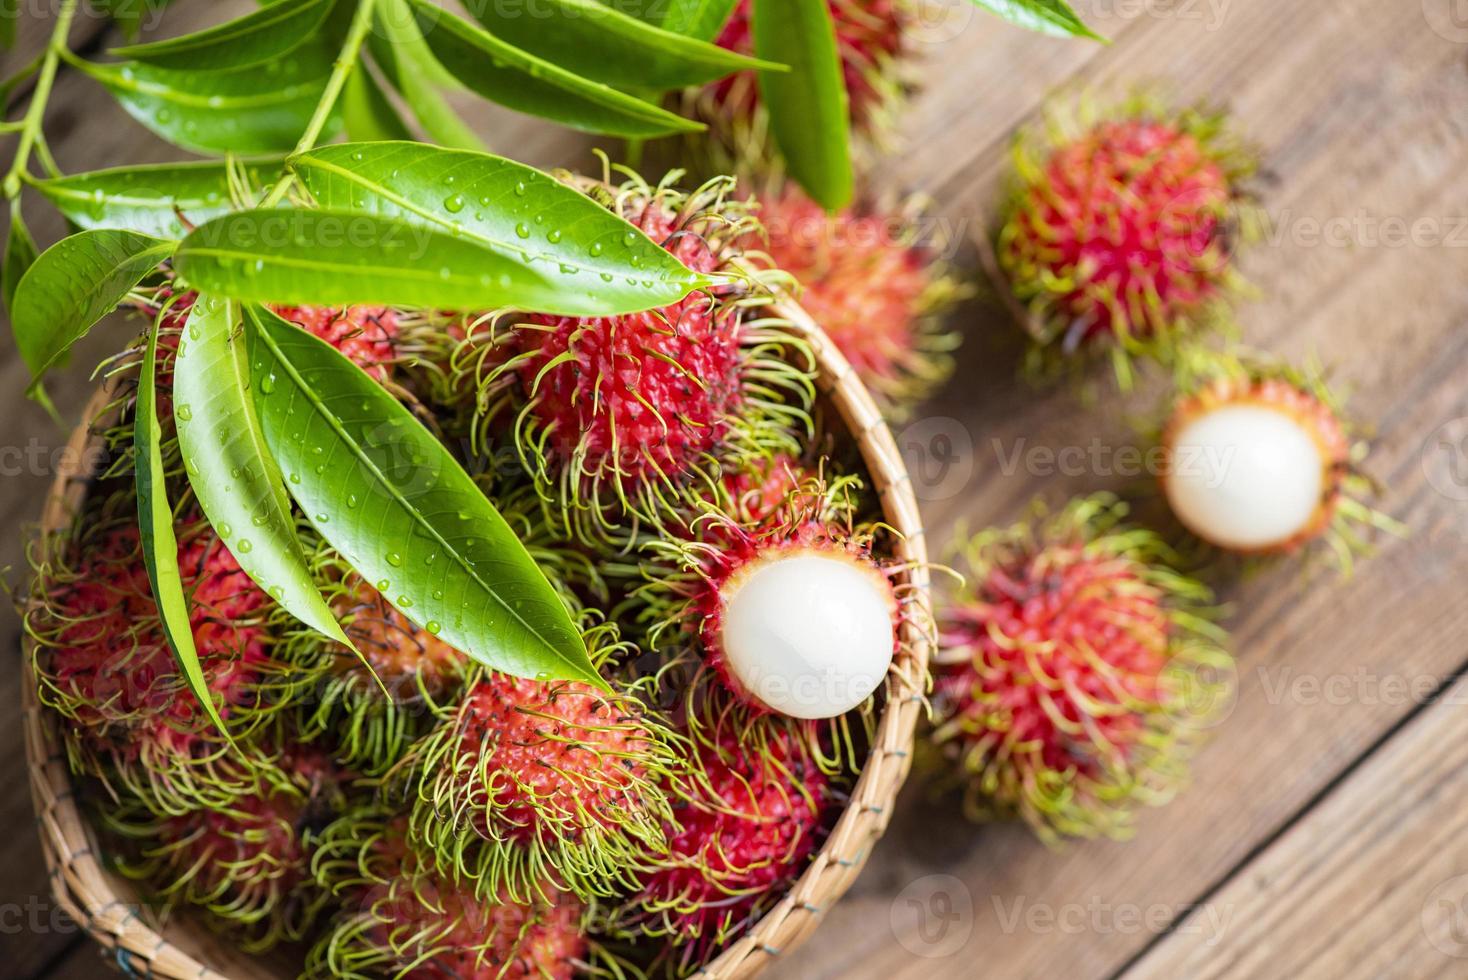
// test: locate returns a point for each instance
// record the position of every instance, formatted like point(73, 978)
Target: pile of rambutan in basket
point(474, 584)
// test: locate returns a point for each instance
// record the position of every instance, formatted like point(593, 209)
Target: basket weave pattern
point(107, 906)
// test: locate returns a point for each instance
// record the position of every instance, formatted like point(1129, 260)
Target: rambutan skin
point(1122, 232)
point(402, 919)
point(644, 396)
point(104, 664)
point(365, 334)
point(869, 39)
point(870, 287)
point(537, 778)
point(744, 827)
point(1075, 675)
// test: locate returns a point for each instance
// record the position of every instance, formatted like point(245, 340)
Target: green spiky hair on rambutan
point(679, 604)
point(402, 918)
point(103, 663)
point(747, 818)
point(372, 718)
point(1118, 230)
point(627, 419)
point(872, 43)
point(247, 863)
point(877, 291)
point(532, 781)
point(1208, 382)
point(1076, 673)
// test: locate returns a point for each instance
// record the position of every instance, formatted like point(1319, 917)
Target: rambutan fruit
point(104, 665)
point(248, 862)
point(872, 44)
point(865, 279)
point(626, 419)
point(365, 334)
point(403, 919)
point(1260, 459)
point(371, 717)
point(793, 613)
point(746, 821)
point(1075, 674)
point(1118, 231)
point(534, 780)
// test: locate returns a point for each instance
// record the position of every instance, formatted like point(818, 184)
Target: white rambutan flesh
point(1247, 477)
point(809, 634)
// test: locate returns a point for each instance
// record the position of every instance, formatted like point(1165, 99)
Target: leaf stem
point(31, 124)
point(346, 63)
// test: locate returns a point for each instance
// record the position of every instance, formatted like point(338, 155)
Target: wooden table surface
point(1326, 833)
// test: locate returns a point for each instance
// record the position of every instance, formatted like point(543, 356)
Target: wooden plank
point(1358, 111)
point(1372, 883)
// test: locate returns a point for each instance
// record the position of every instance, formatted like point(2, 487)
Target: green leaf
point(72, 285)
point(518, 80)
point(131, 15)
point(386, 494)
point(605, 45)
point(20, 255)
point(368, 115)
point(256, 38)
point(232, 472)
point(512, 208)
point(155, 532)
point(1053, 17)
point(255, 110)
point(161, 199)
point(808, 106)
point(400, 51)
point(296, 256)
point(702, 19)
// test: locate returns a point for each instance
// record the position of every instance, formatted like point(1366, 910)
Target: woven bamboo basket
point(109, 908)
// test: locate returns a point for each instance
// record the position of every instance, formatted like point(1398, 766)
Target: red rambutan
point(248, 863)
point(1260, 460)
point(629, 416)
point(365, 334)
point(104, 664)
point(402, 919)
point(534, 780)
point(871, 42)
point(1074, 674)
point(746, 822)
point(792, 612)
point(866, 281)
point(1118, 231)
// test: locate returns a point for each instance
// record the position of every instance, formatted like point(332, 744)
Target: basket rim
point(84, 890)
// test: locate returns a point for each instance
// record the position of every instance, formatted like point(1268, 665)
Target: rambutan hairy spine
point(1076, 673)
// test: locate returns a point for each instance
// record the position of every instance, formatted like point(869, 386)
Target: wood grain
point(1361, 110)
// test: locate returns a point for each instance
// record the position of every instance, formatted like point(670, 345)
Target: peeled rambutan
point(871, 42)
point(248, 862)
point(871, 286)
point(1118, 231)
point(536, 780)
point(793, 613)
point(401, 918)
point(104, 664)
point(1259, 459)
point(1075, 673)
point(623, 419)
point(745, 824)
